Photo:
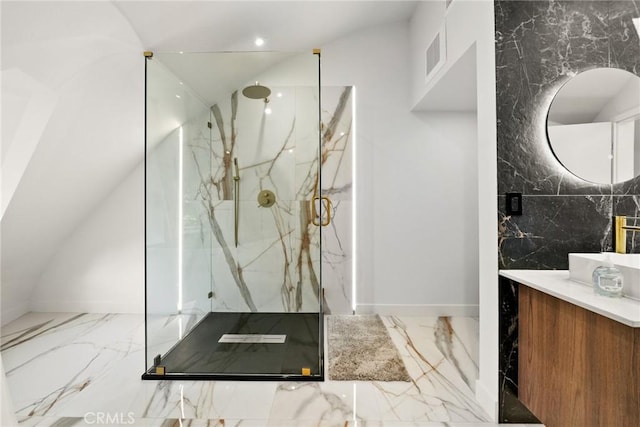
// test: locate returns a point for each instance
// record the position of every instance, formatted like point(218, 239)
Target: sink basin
point(581, 267)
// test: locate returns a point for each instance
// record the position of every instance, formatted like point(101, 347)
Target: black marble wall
point(539, 45)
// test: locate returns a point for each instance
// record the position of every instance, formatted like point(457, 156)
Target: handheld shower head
point(236, 177)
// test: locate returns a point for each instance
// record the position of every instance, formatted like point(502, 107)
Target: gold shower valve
point(266, 198)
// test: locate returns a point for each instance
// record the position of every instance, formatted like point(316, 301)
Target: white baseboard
point(431, 310)
point(488, 401)
point(87, 307)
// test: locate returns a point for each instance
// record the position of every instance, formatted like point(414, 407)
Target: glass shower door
point(178, 247)
point(246, 246)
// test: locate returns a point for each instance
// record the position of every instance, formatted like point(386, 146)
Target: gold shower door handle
point(315, 217)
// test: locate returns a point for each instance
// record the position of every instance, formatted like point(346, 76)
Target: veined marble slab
point(50, 360)
point(275, 263)
point(107, 354)
point(154, 422)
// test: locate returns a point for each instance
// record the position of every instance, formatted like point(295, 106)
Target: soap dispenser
point(607, 279)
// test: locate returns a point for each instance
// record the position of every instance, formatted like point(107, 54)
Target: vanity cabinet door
point(576, 367)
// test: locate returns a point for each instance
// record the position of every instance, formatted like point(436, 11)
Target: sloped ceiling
point(85, 59)
point(205, 26)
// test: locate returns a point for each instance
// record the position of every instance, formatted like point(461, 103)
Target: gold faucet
point(620, 236)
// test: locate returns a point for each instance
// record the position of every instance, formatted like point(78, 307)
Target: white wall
point(480, 21)
point(405, 194)
point(470, 24)
point(425, 217)
point(100, 266)
point(415, 176)
point(464, 20)
point(74, 121)
point(625, 103)
point(584, 149)
point(427, 20)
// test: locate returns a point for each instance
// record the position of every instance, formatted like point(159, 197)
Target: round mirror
point(594, 125)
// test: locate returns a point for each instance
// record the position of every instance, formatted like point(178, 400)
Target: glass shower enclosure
point(233, 216)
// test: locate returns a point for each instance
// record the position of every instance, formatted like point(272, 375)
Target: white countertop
point(558, 284)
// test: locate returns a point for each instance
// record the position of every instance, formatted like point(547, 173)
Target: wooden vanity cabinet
point(576, 367)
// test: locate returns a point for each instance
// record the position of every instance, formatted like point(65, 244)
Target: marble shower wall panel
point(337, 258)
point(269, 270)
point(274, 267)
point(539, 46)
point(337, 143)
point(265, 259)
point(337, 184)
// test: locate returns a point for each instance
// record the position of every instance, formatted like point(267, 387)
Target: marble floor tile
point(226, 422)
point(203, 399)
point(319, 402)
point(36, 357)
point(108, 358)
point(439, 392)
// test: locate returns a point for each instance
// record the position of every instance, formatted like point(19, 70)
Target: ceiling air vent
point(435, 54)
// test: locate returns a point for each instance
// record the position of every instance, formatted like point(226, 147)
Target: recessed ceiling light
point(267, 110)
point(259, 41)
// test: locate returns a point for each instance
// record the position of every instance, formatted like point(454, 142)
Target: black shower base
point(199, 355)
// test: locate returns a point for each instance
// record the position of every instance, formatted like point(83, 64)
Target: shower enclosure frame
point(320, 217)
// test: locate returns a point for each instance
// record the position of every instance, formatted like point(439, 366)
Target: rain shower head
point(256, 91)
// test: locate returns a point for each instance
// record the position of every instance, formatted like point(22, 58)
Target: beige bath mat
point(361, 349)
